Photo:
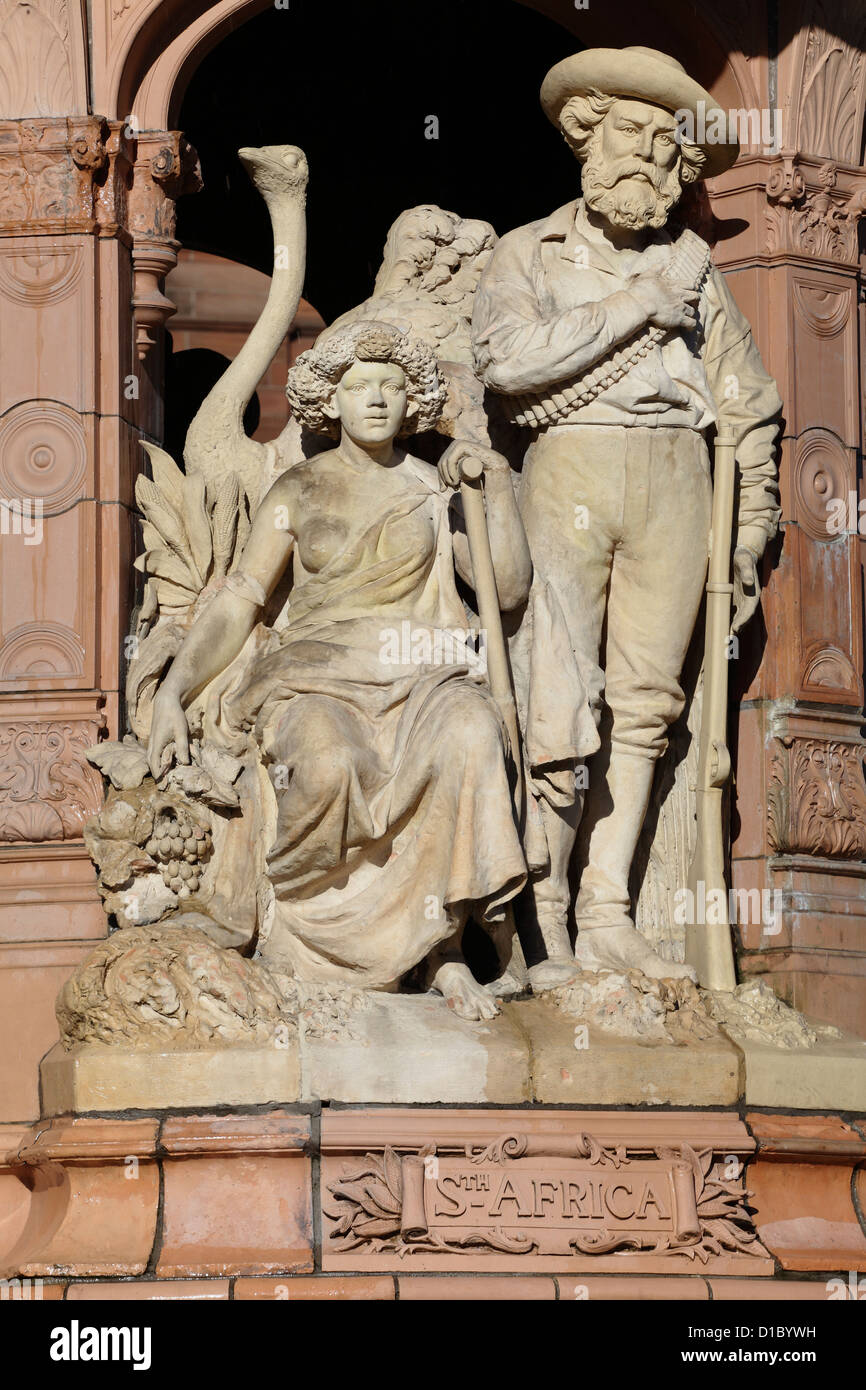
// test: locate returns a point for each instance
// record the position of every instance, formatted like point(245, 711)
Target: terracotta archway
point(149, 59)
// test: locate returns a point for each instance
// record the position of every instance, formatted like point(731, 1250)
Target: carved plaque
point(524, 1195)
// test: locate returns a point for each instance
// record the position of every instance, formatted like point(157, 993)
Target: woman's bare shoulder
point(297, 474)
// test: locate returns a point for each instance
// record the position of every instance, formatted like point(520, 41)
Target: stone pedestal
point(411, 1049)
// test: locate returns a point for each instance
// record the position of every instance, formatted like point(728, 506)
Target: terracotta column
point(800, 822)
point(86, 233)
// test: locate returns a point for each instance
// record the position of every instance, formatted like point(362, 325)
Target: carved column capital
point(813, 208)
point(166, 166)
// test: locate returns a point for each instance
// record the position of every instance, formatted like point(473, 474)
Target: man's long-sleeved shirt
point(554, 301)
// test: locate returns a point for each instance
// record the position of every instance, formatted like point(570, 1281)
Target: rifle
point(708, 946)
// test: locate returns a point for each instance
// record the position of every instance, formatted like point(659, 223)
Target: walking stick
point(708, 946)
point(498, 672)
point(498, 667)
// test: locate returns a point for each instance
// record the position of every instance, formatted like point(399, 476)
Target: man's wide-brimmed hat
point(645, 74)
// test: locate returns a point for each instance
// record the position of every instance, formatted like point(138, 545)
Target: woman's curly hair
point(314, 377)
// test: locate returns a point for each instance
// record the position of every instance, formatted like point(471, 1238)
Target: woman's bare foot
point(462, 992)
point(623, 948)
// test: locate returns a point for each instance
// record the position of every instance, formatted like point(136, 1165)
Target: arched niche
point(147, 69)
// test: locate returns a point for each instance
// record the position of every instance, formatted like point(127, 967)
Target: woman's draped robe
point(395, 811)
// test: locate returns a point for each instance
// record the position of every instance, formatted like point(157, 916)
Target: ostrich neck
point(216, 441)
point(287, 281)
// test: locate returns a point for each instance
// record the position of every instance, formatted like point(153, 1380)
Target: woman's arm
point(220, 632)
point(512, 563)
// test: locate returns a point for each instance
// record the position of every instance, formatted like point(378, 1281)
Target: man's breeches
point(618, 521)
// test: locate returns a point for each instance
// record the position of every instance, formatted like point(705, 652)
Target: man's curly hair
point(314, 377)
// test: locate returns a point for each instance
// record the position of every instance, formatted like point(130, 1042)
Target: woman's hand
point(450, 464)
point(168, 725)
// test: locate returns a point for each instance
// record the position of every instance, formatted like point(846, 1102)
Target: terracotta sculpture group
point(309, 688)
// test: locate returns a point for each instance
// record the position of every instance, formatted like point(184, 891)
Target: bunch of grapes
point(180, 848)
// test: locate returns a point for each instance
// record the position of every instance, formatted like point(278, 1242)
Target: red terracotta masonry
point(584, 1198)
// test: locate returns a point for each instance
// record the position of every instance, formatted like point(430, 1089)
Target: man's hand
point(449, 464)
point(168, 725)
point(747, 586)
point(665, 304)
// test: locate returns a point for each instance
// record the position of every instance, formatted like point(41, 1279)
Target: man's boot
point(607, 937)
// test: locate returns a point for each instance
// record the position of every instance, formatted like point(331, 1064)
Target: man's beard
point(629, 193)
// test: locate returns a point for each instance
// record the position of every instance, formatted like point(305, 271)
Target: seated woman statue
point(395, 817)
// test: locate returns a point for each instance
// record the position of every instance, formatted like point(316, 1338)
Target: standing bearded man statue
point(619, 345)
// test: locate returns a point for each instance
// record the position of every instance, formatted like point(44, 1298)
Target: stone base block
point(94, 1198)
point(92, 1077)
point(829, 1076)
point(570, 1067)
point(236, 1195)
point(413, 1048)
point(175, 1196)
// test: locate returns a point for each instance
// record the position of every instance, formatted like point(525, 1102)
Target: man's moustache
point(609, 178)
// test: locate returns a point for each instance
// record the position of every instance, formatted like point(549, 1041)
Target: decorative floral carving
point(47, 790)
point(368, 1211)
point(785, 184)
point(88, 149)
point(816, 800)
point(35, 58)
point(832, 87)
point(47, 170)
point(166, 166)
point(725, 1223)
